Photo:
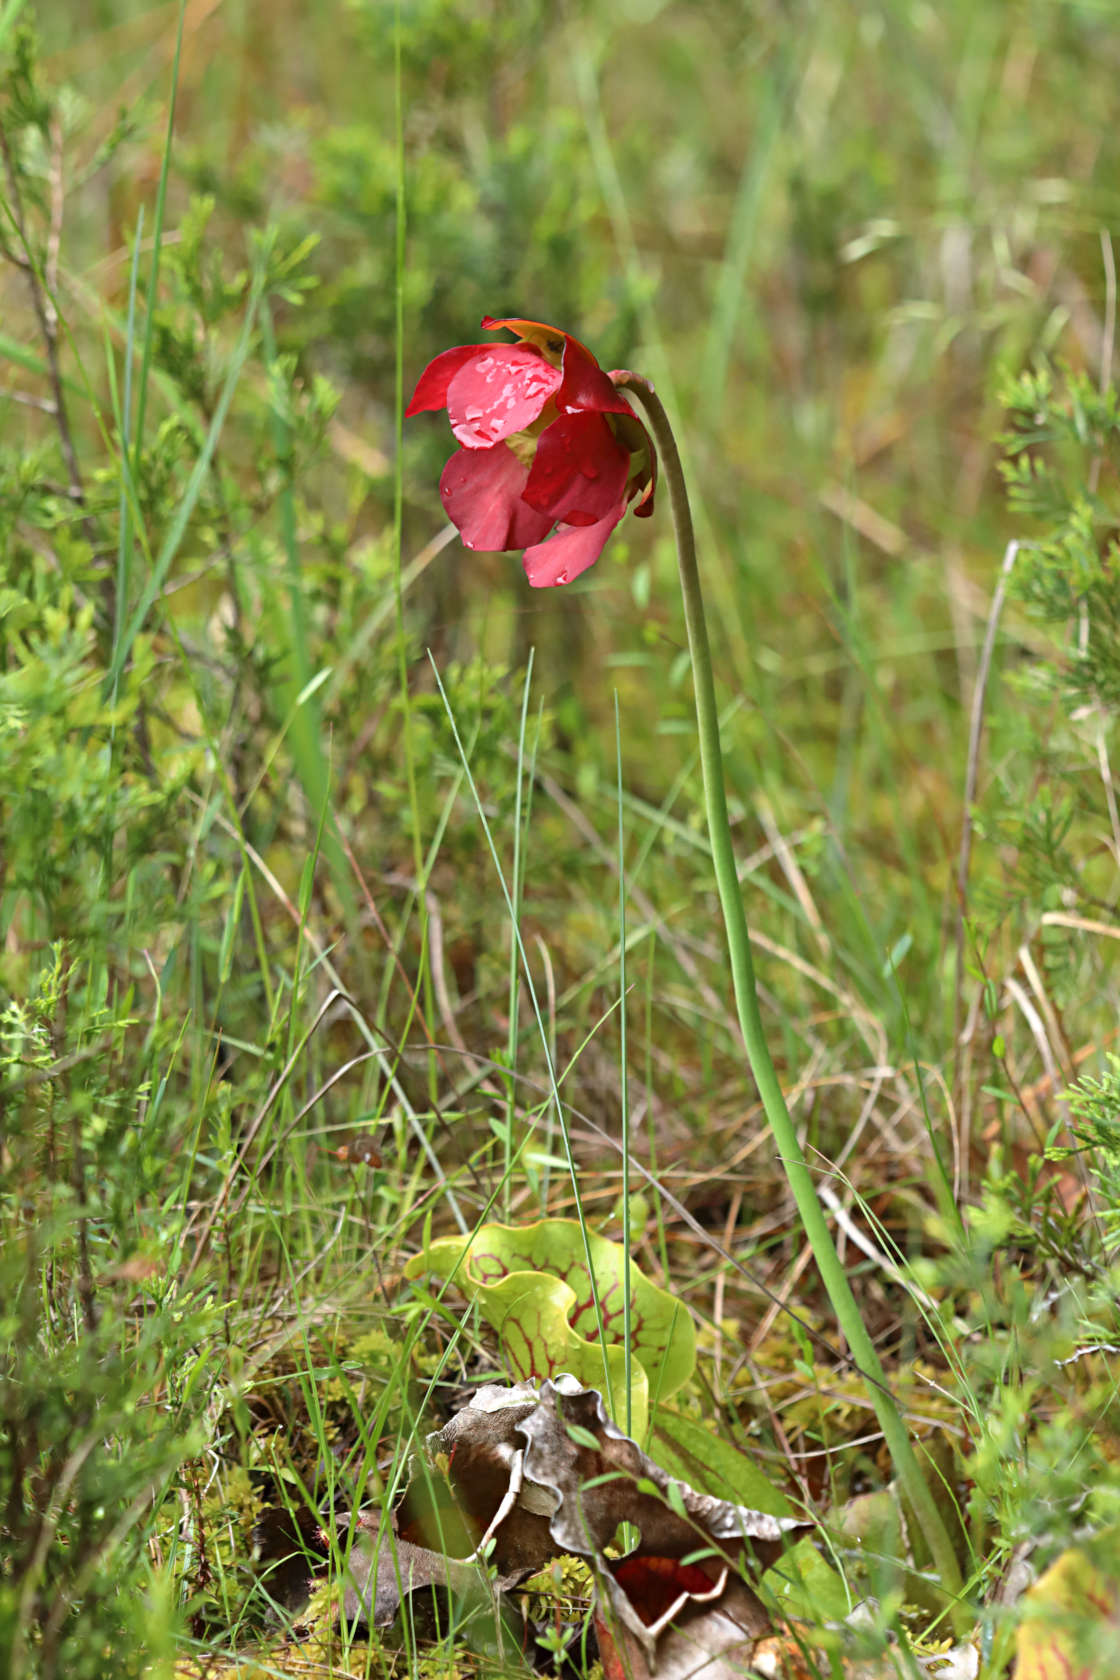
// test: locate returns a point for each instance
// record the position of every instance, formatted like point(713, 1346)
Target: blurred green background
point(822, 229)
point(828, 232)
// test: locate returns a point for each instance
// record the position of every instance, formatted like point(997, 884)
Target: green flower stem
point(915, 1489)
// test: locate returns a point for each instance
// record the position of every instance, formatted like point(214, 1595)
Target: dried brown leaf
point(538, 1473)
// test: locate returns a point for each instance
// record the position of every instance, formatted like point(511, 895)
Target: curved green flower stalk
point(916, 1491)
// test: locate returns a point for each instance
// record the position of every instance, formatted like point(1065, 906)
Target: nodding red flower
point(546, 441)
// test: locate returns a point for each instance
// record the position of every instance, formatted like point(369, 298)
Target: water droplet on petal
point(561, 577)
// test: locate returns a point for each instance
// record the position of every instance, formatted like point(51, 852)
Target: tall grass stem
point(624, 1081)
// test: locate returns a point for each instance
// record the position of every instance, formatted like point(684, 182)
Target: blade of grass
point(124, 509)
point(8, 17)
point(623, 1066)
point(157, 238)
point(177, 529)
point(520, 835)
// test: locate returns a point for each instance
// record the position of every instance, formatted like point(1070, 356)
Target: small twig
point(42, 1076)
point(438, 971)
point(1087, 1350)
point(1017, 992)
point(42, 302)
point(791, 869)
point(44, 404)
point(54, 228)
point(871, 1250)
point(1048, 1031)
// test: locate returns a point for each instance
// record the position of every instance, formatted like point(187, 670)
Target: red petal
point(586, 386)
point(481, 493)
point(498, 392)
point(570, 552)
point(579, 470)
point(431, 387)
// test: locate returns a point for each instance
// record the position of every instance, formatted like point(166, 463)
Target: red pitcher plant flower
point(547, 444)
